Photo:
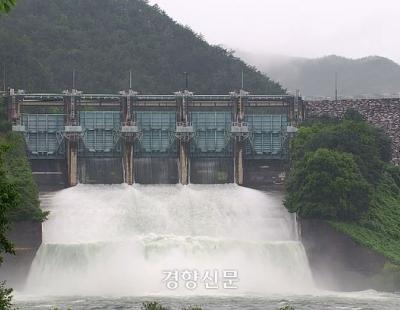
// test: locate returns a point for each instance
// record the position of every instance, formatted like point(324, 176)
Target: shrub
point(327, 184)
point(5, 297)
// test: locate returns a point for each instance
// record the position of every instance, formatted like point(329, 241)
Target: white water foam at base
point(118, 240)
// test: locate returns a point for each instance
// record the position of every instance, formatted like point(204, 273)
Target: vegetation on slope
point(17, 171)
point(336, 165)
point(8, 201)
point(8, 197)
point(328, 184)
point(379, 227)
point(6, 5)
point(42, 41)
point(341, 172)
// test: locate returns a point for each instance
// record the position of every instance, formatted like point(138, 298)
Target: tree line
point(43, 41)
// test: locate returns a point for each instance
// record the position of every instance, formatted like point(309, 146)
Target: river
point(216, 246)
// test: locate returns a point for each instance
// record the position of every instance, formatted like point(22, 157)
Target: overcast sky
point(308, 28)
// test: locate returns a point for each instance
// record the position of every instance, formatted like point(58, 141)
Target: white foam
point(118, 240)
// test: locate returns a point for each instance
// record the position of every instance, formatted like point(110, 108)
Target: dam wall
point(263, 174)
point(337, 262)
point(49, 174)
point(381, 112)
point(155, 170)
point(27, 238)
point(100, 171)
point(211, 170)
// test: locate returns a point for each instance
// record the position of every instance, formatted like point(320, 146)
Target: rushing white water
point(120, 239)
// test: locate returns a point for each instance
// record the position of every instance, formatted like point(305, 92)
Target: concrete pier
point(183, 163)
point(238, 162)
point(128, 163)
point(129, 133)
point(72, 134)
point(184, 133)
point(240, 132)
point(72, 159)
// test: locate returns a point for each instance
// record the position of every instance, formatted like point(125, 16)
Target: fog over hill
point(368, 76)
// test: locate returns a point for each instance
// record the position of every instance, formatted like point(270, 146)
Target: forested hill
point(366, 76)
point(41, 41)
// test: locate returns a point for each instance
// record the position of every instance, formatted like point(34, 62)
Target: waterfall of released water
point(120, 239)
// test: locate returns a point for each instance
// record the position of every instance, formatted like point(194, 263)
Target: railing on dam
point(183, 126)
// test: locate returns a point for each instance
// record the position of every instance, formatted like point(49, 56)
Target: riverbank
point(316, 301)
point(342, 182)
point(379, 230)
point(25, 218)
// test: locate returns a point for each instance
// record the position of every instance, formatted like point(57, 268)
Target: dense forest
point(341, 172)
point(42, 41)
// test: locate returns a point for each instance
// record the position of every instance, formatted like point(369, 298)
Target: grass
point(157, 306)
point(379, 228)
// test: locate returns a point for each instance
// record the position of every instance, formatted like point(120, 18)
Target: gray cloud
point(306, 28)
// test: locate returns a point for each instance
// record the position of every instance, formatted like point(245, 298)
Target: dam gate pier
point(134, 138)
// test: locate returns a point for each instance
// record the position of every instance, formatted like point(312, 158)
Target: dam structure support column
point(183, 132)
point(240, 132)
point(13, 108)
point(72, 134)
point(129, 134)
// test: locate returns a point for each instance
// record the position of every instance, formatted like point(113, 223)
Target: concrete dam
point(184, 138)
point(195, 140)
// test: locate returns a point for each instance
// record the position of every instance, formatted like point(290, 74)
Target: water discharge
point(118, 240)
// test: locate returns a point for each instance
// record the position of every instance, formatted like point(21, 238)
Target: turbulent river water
point(217, 246)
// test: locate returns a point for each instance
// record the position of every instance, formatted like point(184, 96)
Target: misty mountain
point(42, 41)
point(372, 75)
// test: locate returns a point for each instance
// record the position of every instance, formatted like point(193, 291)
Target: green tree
point(8, 200)
point(153, 306)
point(17, 170)
point(287, 308)
point(6, 5)
point(5, 297)
point(327, 184)
point(370, 146)
point(19, 173)
point(353, 115)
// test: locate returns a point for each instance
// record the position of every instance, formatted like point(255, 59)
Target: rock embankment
point(383, 113)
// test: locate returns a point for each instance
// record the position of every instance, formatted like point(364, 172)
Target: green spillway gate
point(100, 132)
point(267, 135)
point(157, 133)
point(212, 134)
point(44, 135)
